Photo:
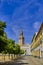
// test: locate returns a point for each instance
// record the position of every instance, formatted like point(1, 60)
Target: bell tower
point(21, 38)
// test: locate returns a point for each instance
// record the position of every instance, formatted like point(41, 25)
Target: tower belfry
point(21, 38)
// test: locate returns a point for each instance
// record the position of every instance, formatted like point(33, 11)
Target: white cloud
point(15, 29)
point(36, 25)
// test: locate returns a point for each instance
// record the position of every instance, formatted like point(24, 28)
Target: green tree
point(2, 38)
point(21, 51)
point(17, 49)
point(2, 27)
point(7, 45)
point(10, 46)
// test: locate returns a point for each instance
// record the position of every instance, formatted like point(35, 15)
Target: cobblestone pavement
point(26, 60)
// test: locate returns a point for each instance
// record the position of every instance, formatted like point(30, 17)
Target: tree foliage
point(21, 51)
point(17, 49)
point(2, 27)
point(7, 45)
point(2, 38)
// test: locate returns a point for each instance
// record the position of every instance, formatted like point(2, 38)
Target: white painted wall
point(27, 47)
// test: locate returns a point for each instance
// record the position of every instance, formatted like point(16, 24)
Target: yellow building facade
point(37, 43)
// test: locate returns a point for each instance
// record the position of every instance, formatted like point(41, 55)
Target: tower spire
point(21, 38)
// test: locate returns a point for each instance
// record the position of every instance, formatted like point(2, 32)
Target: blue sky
point(21, 14)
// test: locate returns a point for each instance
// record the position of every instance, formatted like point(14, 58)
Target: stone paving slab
point(26, 60)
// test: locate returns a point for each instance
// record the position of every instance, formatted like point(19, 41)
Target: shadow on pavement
point(13, 63)
point(16, 62)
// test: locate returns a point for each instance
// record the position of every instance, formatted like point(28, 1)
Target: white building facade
point(27, 49)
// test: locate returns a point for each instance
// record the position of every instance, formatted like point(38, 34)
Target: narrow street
point(26, 60)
